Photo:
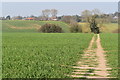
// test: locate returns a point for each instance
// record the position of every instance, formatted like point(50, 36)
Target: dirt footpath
point(93, 62)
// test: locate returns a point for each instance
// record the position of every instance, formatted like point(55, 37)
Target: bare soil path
point(93, 62)
point(101, 58)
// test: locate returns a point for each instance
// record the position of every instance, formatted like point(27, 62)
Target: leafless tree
point(96, 12)
point(46, 13)
point(86, 15)
point(54, 12)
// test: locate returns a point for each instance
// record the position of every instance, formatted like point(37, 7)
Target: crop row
point(110, 45)
point(33, 55)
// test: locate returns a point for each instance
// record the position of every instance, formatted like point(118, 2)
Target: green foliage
point(26, 23)
point(34, 55)
point(93, 24)
point(8, 17)
point(50, 28)
point(0, 50)
point(111, 27)
point(75, 28)
point(110, 44)
point(108, 27)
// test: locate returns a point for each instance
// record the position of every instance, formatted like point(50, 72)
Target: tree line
point(94, 19)
point(51, 14)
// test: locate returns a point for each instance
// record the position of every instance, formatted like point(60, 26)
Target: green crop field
point(29, 54)
point(0, 49)
point(105, 28)
point(109, 27)
point(37, 55)
point(110, 44)
point(6, 25)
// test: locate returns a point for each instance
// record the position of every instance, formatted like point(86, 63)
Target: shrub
point(50, 28)
point(75, 28)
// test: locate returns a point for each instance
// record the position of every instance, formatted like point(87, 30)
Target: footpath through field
point(93, 62)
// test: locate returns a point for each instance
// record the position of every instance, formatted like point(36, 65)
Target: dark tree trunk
point(93, 26)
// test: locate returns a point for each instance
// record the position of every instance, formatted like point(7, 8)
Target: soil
point(93, 62)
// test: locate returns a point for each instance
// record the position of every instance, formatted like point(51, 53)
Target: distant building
point(115, 17)
point(53, 18)
point(2, 18)
point(30, 18)
point(17, 18)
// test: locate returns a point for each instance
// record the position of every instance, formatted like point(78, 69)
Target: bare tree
point(96, 12)
point(46, 13)
point(86, 15)
point(54, 12)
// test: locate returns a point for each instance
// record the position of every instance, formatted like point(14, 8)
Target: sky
point(59, 0)
point(64, 8)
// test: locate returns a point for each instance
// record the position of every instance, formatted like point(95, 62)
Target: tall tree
point(93, 24)
point(54, 12)
point(96, 12)
point(8, 17)
point(46, 13)
point(90, 17)
point(86, 14)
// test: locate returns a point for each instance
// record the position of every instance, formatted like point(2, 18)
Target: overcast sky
point(64, 8)
point(59, 0)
